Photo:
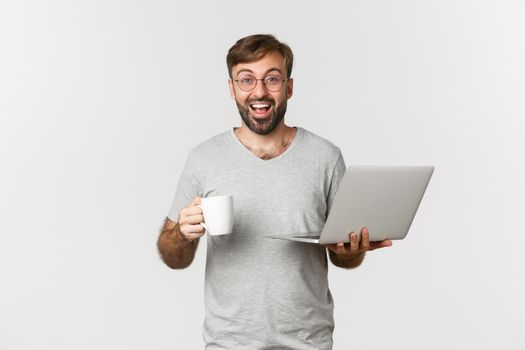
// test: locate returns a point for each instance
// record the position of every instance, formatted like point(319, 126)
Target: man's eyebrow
point(268, 71)
point(273, 69)
point(244, 70)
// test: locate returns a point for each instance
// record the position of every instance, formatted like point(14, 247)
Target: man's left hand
point(356, 248)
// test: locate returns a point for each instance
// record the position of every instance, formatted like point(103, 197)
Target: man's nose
point(260, 89)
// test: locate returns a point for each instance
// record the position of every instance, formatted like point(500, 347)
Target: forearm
point(347, 263)
point(176, 251)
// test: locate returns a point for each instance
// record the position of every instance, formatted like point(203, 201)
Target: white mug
point(218, 214)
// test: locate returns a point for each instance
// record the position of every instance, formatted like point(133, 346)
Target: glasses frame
point(264, 84)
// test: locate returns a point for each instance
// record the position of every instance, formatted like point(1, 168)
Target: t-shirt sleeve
point(337, 176)
point(188, 188)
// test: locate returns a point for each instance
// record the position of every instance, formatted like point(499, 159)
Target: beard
point(262, 126)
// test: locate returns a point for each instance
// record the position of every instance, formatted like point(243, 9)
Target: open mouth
point(260, 109)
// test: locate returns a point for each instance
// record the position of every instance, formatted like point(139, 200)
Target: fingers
point(192, 228)
point(196, 228)
point(192, 213)
point(190, 216)
point(190, 219)
point(365, 243)
point(340, 248)
point(357, 246)
point(381, 244)
point(354, 242)
point(192, 231)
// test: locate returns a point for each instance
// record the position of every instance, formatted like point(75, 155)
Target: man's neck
point(266, 146)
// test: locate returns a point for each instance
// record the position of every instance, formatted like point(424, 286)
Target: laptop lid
point(385, 199)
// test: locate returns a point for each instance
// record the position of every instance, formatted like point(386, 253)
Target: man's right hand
point(190, 219)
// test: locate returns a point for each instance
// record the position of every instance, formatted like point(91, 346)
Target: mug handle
point(202, 223)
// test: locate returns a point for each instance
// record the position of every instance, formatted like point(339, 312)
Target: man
point(262, 293)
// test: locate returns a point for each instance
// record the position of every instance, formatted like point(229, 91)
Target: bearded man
point(262, 293)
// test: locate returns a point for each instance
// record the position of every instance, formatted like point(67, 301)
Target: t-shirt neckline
point(295, 140)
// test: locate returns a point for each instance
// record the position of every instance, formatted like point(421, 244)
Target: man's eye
point(273, 79)
point(246, 80)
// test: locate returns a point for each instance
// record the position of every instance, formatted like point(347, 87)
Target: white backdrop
point(100, 101)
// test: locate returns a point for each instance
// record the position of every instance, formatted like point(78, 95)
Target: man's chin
point(263, 125)
point(260, 125)
point(261, 121)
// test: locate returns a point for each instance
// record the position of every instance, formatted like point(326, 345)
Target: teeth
point(260, 106)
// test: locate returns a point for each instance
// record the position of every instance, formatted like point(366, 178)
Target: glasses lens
point(247, 82)
point(273, 83)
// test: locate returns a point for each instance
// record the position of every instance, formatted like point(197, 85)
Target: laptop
point(385, 199)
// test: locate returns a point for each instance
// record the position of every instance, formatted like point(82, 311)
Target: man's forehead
point(270, 62)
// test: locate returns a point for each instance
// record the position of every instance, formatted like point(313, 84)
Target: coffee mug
point(218, 214)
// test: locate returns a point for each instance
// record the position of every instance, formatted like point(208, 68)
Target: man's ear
point(232, 91)
point(289, 87)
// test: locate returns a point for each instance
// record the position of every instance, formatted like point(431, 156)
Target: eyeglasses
point(272, 83)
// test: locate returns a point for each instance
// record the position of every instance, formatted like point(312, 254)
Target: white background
point(100, 102)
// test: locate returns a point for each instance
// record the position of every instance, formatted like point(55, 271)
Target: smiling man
point(257, 104)
point(262, 293)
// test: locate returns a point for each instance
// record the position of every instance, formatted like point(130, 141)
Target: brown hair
point(254, 47)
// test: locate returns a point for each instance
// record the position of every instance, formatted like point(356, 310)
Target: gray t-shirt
point(262, 293)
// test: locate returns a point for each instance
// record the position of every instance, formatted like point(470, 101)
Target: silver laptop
point(385, 199)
